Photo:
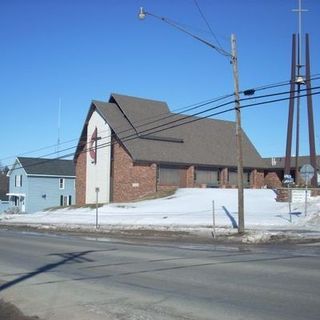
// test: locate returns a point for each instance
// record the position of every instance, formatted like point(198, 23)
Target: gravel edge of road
point(9, 311)
point(202, 235)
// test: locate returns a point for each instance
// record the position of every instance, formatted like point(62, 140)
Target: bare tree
point(4, 182)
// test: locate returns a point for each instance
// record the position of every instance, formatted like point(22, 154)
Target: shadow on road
point(121, 275)
point(69, 257)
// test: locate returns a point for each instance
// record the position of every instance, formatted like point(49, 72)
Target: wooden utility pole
point(234, 61)
point(238, 134)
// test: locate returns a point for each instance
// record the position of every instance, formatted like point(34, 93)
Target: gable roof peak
point(114, 96)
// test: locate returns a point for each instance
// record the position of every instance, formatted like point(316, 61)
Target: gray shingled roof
point(278, 162)
point(51, 167)
point(207, 142)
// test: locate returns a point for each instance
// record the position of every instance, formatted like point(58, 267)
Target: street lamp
point(234, 61)
point(142, 13)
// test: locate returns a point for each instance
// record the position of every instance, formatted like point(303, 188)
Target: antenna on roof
point(59, 127)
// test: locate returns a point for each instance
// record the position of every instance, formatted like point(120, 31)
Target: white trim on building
point(99, 160)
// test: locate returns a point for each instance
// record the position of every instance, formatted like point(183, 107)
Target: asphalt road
point(61, 277)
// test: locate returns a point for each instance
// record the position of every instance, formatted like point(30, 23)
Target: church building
point(132, 147)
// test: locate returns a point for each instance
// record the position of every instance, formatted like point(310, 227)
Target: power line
point(180, 119)
point(187, 117)
point(148, 123)
point(170, 114)
point(195, 119)
point(280, 84)
point(164, 127)
point(276, 94)
point(207, 23)
point(221, 112)
point(207, 110)
point(40, 149)
point(281, 99)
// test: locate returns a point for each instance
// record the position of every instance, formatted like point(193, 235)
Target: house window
point(61, 183)
point(246, 178)
point(170, 176)
point(232, 177)
point(64, 200)
point(207, 176)
point(16, 201)
point(70, 200)
point(18, 181)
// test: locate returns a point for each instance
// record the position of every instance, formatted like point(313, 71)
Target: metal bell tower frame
point(298, 80)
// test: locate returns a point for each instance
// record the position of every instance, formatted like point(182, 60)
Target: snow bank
point(187, 208)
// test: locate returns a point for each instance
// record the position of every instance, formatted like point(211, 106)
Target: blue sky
point(80, 50)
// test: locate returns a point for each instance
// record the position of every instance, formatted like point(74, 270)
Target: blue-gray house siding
point(41, 191)
point(17, 193)
point(4, 205)
point(44, 192)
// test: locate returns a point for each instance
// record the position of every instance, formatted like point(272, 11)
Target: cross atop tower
point(300, 11)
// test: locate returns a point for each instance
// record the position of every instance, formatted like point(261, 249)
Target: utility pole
point(238, 134)
point(234, 62)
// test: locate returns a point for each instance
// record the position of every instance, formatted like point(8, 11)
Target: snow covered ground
point(187, 208)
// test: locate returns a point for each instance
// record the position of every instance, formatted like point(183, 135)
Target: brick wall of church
point(81, 165)
point(130, 181)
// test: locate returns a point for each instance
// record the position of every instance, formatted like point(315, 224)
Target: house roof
point(278, 162)
point(50, 167)
point(151, 133)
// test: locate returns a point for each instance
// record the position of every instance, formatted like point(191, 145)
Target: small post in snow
point(307, 173)
point(213, 221)
point(306, 200)
point(288, 182)
point(289, 201)
point(97, 198)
